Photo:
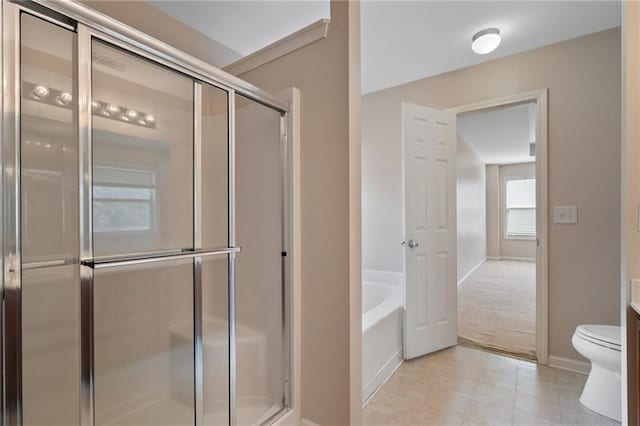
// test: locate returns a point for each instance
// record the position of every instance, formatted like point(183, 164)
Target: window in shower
point(143, 152)
point(124, 200)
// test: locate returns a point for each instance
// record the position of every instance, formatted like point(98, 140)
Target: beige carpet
point(497, 307)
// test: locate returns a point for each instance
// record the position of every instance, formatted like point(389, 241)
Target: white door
point(429, 142)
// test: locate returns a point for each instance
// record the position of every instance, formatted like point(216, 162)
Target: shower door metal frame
point(89, 25)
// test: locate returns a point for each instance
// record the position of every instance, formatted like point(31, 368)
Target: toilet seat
point(607, 336)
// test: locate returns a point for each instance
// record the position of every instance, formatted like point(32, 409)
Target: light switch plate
point(565, 214)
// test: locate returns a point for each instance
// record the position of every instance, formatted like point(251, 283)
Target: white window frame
point(505, 208)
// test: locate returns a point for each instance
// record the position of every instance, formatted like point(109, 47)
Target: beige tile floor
point(468, 386)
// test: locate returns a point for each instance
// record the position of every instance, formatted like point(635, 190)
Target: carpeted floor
point(497, 307)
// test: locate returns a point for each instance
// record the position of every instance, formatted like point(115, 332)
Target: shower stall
point(145, 268)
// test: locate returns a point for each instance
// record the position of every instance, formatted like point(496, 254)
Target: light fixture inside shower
point(60, 98)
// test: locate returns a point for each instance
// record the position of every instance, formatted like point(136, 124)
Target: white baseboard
point(468, 274)
point(521, 259)
point(576, 366)
point(382, 376)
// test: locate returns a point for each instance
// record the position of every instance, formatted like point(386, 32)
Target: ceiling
point(500, 136)
point(245, 26)
point(403, 41)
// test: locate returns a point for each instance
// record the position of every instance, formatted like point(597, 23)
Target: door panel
point(259, 281)
point(143, 344)
point(142, 155)
point(442, 193)
point(215, 167)
point(429, 140)
point(49, 225)
point(215, 339)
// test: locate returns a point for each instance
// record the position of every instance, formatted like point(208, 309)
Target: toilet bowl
point(600, 344)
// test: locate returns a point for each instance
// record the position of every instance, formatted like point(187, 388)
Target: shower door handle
point(413, 243)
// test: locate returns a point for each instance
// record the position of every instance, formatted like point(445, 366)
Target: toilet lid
point(608, 334)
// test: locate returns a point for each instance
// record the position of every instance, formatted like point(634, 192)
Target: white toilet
point(600, 344)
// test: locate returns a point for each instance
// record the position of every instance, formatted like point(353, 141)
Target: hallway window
point(520, 208)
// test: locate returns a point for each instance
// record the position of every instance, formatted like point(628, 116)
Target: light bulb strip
point(62, 99)
point(123, 114)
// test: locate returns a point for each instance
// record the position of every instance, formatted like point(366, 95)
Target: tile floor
point(468, 386)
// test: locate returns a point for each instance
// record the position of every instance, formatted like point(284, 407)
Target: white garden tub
point(382, 311)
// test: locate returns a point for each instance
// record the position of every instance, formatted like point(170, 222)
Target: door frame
point(540, 97)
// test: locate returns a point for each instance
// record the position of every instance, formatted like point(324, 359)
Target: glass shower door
point(148, 283)
point(50, 303)
point(260, 289)
point(143, 212)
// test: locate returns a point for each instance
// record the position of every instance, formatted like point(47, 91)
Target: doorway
point(430, 138)
point(502, 267)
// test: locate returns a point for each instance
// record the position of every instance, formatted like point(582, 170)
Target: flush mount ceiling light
point(486, 41)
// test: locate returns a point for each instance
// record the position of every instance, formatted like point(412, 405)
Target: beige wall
point(631, 198)
point(583, 78)
point(525, 249)
point(471, 209)
point(493, 210)
point(156, 23)
point(325, 72)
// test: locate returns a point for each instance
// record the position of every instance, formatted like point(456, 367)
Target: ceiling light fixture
point(486, 41)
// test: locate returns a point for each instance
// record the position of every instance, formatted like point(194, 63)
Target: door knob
point(413, 243)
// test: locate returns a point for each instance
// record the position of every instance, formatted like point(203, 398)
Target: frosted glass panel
point(142, 155)
point(215, 167)
point(259, 282)
point(143, 322)
point(49, 178)
point(215, 339)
